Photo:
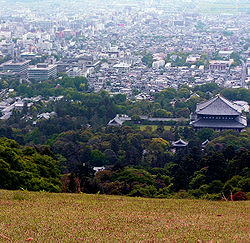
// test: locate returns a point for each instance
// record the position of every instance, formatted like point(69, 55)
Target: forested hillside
point(28, 168)
point(139, 163)
point(139, 159)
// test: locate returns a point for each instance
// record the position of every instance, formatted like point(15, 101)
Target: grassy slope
point(79, 217)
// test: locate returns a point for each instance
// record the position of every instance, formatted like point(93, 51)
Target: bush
point(139, 191)
point(70, 183)
point(196, 193)
point(182, 194)
point(232, 185)
point(244, 184)
point(240, 196)
point(114, 188)
point(215, 187)
point(199, 193)
point(213, 197)
point(44, 184)
point(197, 181)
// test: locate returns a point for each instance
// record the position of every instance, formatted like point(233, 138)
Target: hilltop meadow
point(41, 216)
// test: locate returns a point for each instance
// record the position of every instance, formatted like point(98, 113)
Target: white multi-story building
point(42, 71)
point(158, 64)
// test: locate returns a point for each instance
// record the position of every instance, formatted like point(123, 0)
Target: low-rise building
point(220, 64)
point(193, 58)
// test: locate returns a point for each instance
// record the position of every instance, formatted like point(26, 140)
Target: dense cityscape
point(128, 48)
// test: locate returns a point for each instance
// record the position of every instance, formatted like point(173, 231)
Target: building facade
point(220, 64)
point(42, 72)
point(14, 67)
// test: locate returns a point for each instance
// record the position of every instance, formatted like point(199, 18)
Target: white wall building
point(42, 71)
point(158, 64)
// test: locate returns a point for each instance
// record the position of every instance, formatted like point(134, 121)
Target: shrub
point(215, 187)
point(240, 196)
point(197, 181)
point(196, 193)
point(44, 184)
point(213, 197)
point(244, 184)
point(70, 183)
point(182, 194)
point(232, 185)
point(139, 191)
point(114, 188)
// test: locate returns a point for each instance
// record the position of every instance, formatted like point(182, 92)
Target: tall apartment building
point(42, 71)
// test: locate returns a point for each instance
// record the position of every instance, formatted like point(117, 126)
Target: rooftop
point(11, 62)
point(41, 67)
point(218, 106)
point(180, 143)
point(227, 124)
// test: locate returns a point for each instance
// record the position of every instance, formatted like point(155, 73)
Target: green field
point(153, 127)
point(44, 217)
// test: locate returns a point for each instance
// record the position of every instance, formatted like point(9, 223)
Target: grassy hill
point(40, 216)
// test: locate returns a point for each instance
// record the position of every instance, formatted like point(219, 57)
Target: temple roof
point(115, 122)
point(218, 106)
point(180, 143)
point(205, 142)
point(214, 123)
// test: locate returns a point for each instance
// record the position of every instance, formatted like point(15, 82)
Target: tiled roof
point(179, 143)
point(202, 123)
point(218, 106)
point(115, 122)
point(205, 142)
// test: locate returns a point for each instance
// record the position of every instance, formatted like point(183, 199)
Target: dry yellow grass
point(45, 217)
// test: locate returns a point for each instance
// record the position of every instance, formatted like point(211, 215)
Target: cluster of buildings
point(124, 47)
point(21, 69)
point(10, 104)
point(218, 113)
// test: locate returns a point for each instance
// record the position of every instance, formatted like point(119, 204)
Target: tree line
point(138, 162)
